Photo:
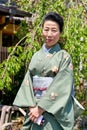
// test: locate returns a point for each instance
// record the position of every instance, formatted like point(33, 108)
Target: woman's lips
point(49, 40)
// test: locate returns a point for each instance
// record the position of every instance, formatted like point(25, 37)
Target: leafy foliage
point(73, 39)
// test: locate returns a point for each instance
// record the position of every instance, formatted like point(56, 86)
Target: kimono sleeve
point(25, 96)
point(59, 92)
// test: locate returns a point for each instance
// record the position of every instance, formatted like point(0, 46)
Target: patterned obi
point(40, 85)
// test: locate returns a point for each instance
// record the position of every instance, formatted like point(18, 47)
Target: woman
point(47, 87)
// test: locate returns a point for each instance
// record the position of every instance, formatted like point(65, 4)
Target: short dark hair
point(53, 16)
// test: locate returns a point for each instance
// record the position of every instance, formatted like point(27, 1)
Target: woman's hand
point(35, 113)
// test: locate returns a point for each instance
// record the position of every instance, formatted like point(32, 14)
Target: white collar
point(46, 49)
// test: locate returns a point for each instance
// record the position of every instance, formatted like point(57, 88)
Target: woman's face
point(51, 33)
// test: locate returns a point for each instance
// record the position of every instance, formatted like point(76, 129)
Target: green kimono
point(57, 101)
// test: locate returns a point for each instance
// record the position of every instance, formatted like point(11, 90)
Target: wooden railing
point(6, 115)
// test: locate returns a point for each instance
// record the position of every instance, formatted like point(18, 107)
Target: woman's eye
point(53, 30)
point(46, 30)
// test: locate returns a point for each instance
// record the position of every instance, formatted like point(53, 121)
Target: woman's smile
point(49, 40)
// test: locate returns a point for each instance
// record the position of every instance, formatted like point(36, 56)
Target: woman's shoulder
point(64, 52)
point(36, 53)
point(39, 52)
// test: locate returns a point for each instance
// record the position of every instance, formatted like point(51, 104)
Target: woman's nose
point(49, 33)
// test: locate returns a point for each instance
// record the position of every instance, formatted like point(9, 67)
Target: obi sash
point(40, 85)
